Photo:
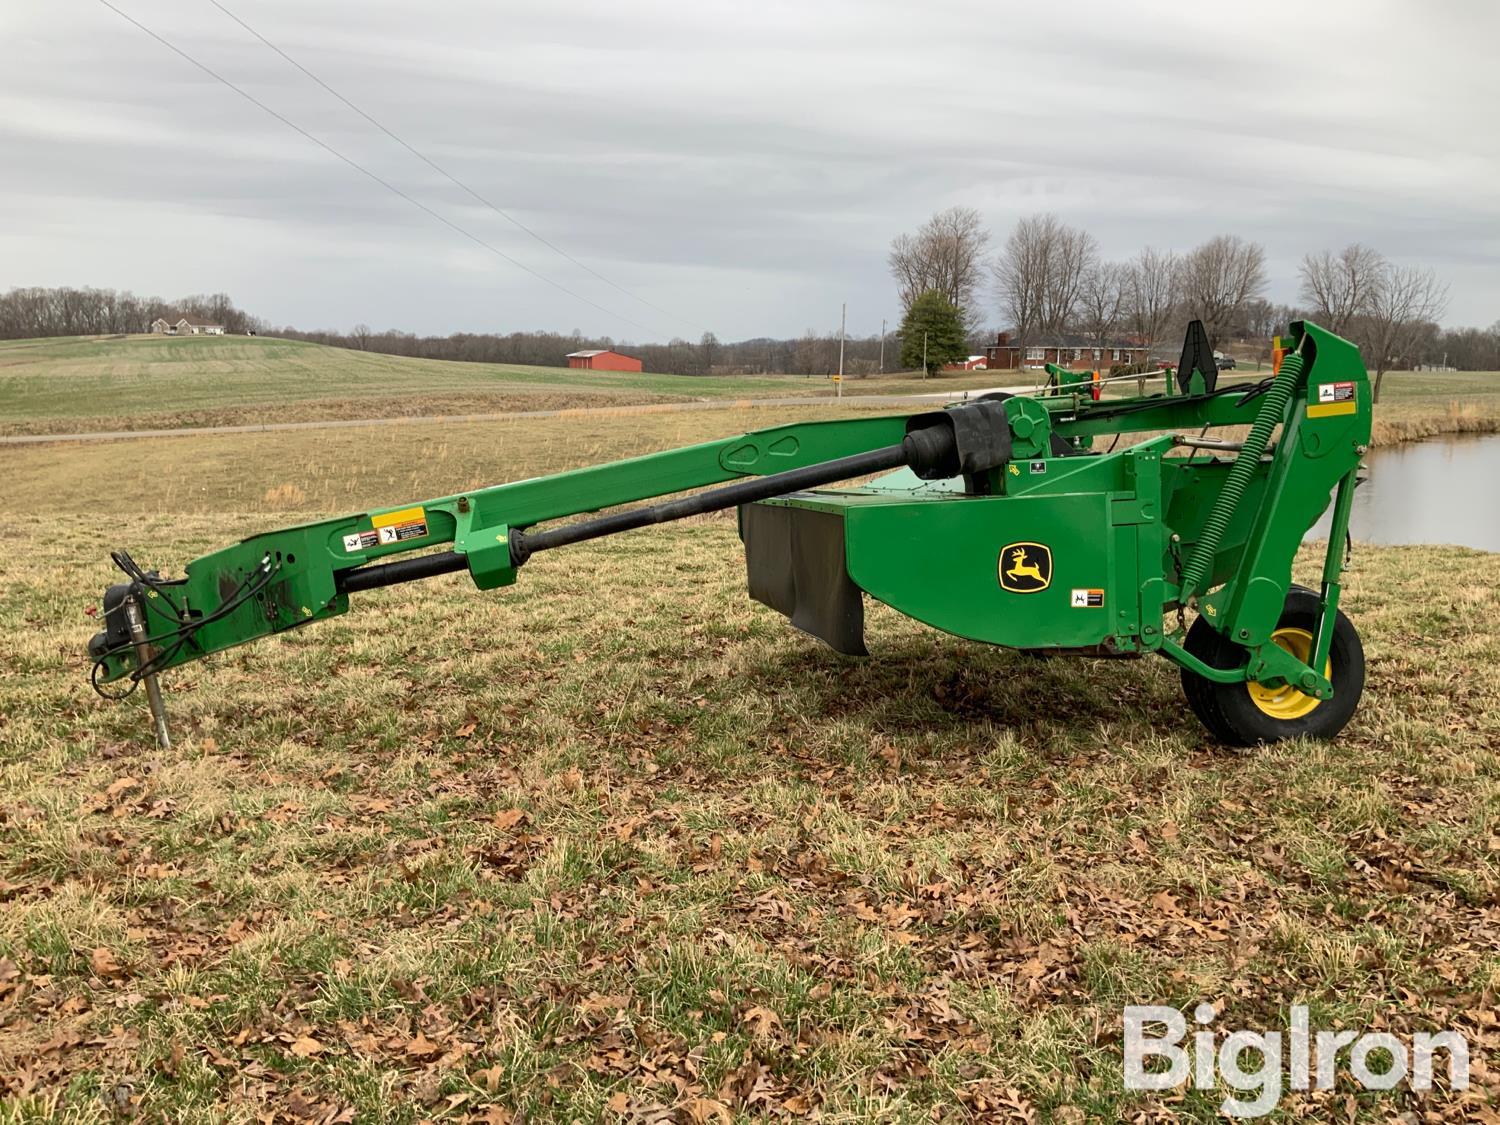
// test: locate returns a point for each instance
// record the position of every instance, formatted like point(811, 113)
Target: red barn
point(602, 359)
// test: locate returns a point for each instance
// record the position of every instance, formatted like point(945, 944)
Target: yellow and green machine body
point(994, 520)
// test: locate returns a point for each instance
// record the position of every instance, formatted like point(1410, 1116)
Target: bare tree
point(1257, 318)
point(708, 351)
point(1467, 349)
point(1260, 320)
point(1040, 273)
point(1339, 287)
point(1074, 255)
point(1405, 303)
point(815, 354)
point(1151, 294)
point(1101, 301)
point(1218, 277)
point(945, 254)
point(1020, 273)
point(909, 268)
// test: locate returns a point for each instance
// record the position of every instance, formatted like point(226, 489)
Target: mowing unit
point(995, 520)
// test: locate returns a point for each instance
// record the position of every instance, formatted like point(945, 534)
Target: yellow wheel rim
point(1286, 702)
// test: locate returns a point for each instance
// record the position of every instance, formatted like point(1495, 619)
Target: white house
point(187, 326)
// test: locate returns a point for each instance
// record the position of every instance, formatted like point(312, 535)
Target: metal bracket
point(1268, 664)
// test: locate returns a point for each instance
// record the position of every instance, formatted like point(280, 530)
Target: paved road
point(575, 412)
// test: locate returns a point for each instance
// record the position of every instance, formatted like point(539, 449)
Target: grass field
point(338, 469)
point(82, 385)
point(618, 843)
point(160, 382)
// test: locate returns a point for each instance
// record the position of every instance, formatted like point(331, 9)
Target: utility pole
point(843, 311)
point(925, 372)
point(882, 345)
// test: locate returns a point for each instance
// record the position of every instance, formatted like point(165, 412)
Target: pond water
point(1444, 491)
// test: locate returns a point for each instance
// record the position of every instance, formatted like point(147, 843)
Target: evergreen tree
point(937, 319)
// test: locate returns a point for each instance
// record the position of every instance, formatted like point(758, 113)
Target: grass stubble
point(617, 843)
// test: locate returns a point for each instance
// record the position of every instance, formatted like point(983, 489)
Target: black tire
point(1243, 714)
point(1204, 643)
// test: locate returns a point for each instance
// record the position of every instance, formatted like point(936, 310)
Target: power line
point(358, 167)
point(449, 176)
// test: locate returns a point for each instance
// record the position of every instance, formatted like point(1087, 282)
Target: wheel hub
point(1284, 701)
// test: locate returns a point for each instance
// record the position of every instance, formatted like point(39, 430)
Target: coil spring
point(1272, 412)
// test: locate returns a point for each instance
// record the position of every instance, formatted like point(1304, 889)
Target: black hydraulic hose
point(403, 570)
point(524, 544)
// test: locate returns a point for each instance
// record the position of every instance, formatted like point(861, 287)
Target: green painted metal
point(1320, 444)
point(1171, 648)
point(305, 559)
point(1333, 569)
point(1065, 381)
point(1090, 553)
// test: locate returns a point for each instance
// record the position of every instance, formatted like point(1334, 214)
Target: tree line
point(1047, 277)
point(64, 311)
point(813, 353)
point(1390, 311)
point(1050, 280)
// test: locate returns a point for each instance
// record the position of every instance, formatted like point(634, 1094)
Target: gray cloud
point(742, 165)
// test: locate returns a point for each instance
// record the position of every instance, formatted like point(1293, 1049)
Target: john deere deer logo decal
point(1025, 568)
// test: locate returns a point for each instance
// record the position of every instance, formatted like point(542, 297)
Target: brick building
point(1080, 352)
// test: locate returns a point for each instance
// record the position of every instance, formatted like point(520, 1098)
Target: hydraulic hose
point(1199, 569)
point(376, 575)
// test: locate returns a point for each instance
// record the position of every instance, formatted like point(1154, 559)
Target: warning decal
point(361, 541)
point(402, 533)
point(389, 528)
point(1333, 398)
point(398, 527)
point(1088, 599)
point(405, 515)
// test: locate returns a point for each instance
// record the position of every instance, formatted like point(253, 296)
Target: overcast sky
point(741, 165)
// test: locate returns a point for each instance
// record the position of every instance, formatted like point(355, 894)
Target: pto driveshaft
point(926, 450)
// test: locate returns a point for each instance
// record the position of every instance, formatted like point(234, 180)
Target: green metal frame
point(1064, 380)
point(1131, 522)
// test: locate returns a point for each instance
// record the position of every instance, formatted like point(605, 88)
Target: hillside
point(90, 384)
point(147, 382)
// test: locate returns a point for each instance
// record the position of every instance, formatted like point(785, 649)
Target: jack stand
point(144, 654)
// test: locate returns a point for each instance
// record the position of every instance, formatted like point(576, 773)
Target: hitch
point(151, 623)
